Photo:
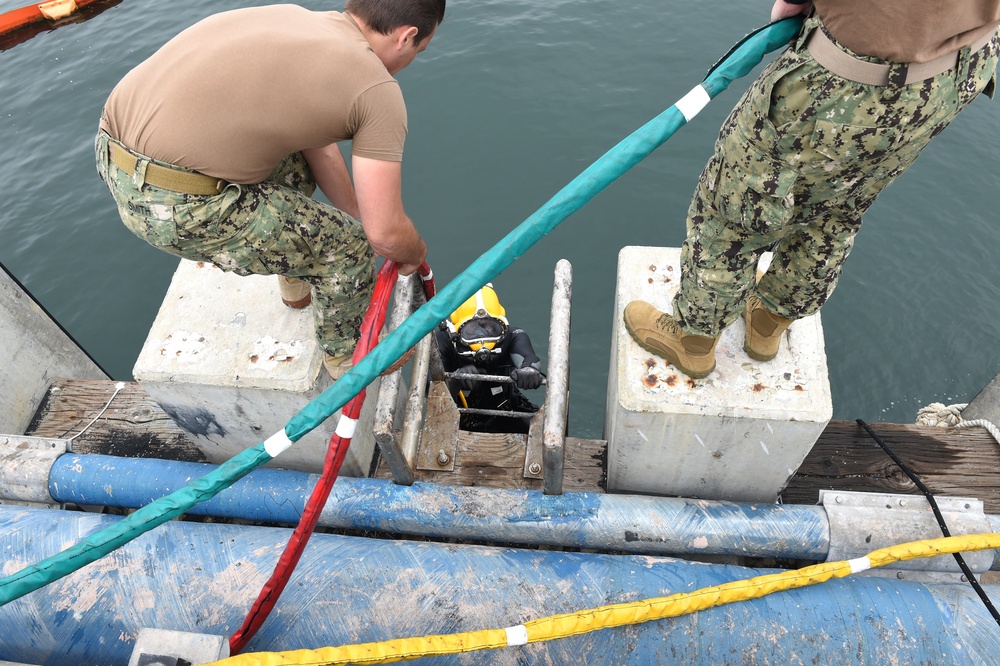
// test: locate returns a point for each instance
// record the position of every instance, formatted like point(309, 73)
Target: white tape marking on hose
point(346, 427)
point(860, 564)
point(277, 443)
point(517, 635)
point(428, 277)
point(693, 102)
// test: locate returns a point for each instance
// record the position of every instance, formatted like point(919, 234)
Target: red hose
point(371, 325)
point(427, 280)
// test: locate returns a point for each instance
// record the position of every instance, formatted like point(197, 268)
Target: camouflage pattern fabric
point(797, 163)
point(268, 228)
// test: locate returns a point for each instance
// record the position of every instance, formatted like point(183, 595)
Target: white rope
point(937, 414)
point(118, 387)
point(950, 416)
point(985, 424)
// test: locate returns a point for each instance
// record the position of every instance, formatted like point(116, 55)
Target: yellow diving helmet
point(480, 322)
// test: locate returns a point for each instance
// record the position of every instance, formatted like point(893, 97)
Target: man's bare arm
point(330, 171)
point(784, 9)
point(390, 231)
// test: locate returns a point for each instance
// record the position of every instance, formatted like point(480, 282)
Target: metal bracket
point(863, 522)
point(164, 647)
point(26, 464)
point(533, 456)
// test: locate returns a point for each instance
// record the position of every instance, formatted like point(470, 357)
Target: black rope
point(971, 577)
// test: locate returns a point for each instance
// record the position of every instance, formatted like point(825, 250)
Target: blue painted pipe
point(199, 577)
point(634, 523)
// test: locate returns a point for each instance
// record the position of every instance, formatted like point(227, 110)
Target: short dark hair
point(384, 16)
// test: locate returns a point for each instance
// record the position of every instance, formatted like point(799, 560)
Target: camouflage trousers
point(268, 228)
point(797, 163)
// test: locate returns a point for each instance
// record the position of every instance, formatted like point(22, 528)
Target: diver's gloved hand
point(468, 384)
point(527, 377)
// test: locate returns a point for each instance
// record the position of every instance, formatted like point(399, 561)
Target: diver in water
point(477, 339)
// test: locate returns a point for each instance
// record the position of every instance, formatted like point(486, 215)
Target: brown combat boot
point(764, 330)
point(337, 366)
point(295, 293)
point(657, 332)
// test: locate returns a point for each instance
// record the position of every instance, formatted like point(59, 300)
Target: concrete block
point(231, 364)
point(986, 404)
point(36, 351)
point(738, 434)
point(163, 647)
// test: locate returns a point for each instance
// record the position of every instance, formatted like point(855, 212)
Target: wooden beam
point(949, 461)
point(133, 425)
point(497, 461)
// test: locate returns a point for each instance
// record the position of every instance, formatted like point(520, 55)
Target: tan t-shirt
point(232, 95)
point(908, 30)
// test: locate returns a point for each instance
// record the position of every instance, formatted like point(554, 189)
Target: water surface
point(512, 100)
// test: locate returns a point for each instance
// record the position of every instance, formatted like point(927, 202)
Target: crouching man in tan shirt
point(213, 147)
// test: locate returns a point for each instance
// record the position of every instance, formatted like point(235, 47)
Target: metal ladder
point(547, 432)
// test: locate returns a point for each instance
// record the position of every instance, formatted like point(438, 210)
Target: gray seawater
point(512, 100)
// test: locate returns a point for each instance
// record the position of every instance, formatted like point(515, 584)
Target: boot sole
point(299, 304)
point(669, 356)
point(764, 358)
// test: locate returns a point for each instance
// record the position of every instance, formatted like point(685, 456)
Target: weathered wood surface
point(133, 425)
point(949, 461)
point(497, 461)
point(962, 462)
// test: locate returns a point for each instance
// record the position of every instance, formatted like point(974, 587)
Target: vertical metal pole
point(414, 418)
point(557, 390)
point(388, 393)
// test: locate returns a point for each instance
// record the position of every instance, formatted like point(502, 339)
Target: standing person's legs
point(739, 210)
point(786, 177)
point(858, 139)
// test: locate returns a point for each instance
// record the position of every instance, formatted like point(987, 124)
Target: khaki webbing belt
point(826, 53)
point(186, 182)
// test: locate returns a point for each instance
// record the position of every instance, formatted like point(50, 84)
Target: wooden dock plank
point(961, 462)
point(497, 461)
point(133, 425)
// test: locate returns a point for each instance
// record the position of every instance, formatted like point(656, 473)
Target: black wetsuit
point(515, 351)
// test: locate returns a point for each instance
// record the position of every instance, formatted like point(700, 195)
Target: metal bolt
point(902, 502)
point(534, 468)
point(899, 575)
point(443, 458)
point(964, 579)
point(840, 500)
